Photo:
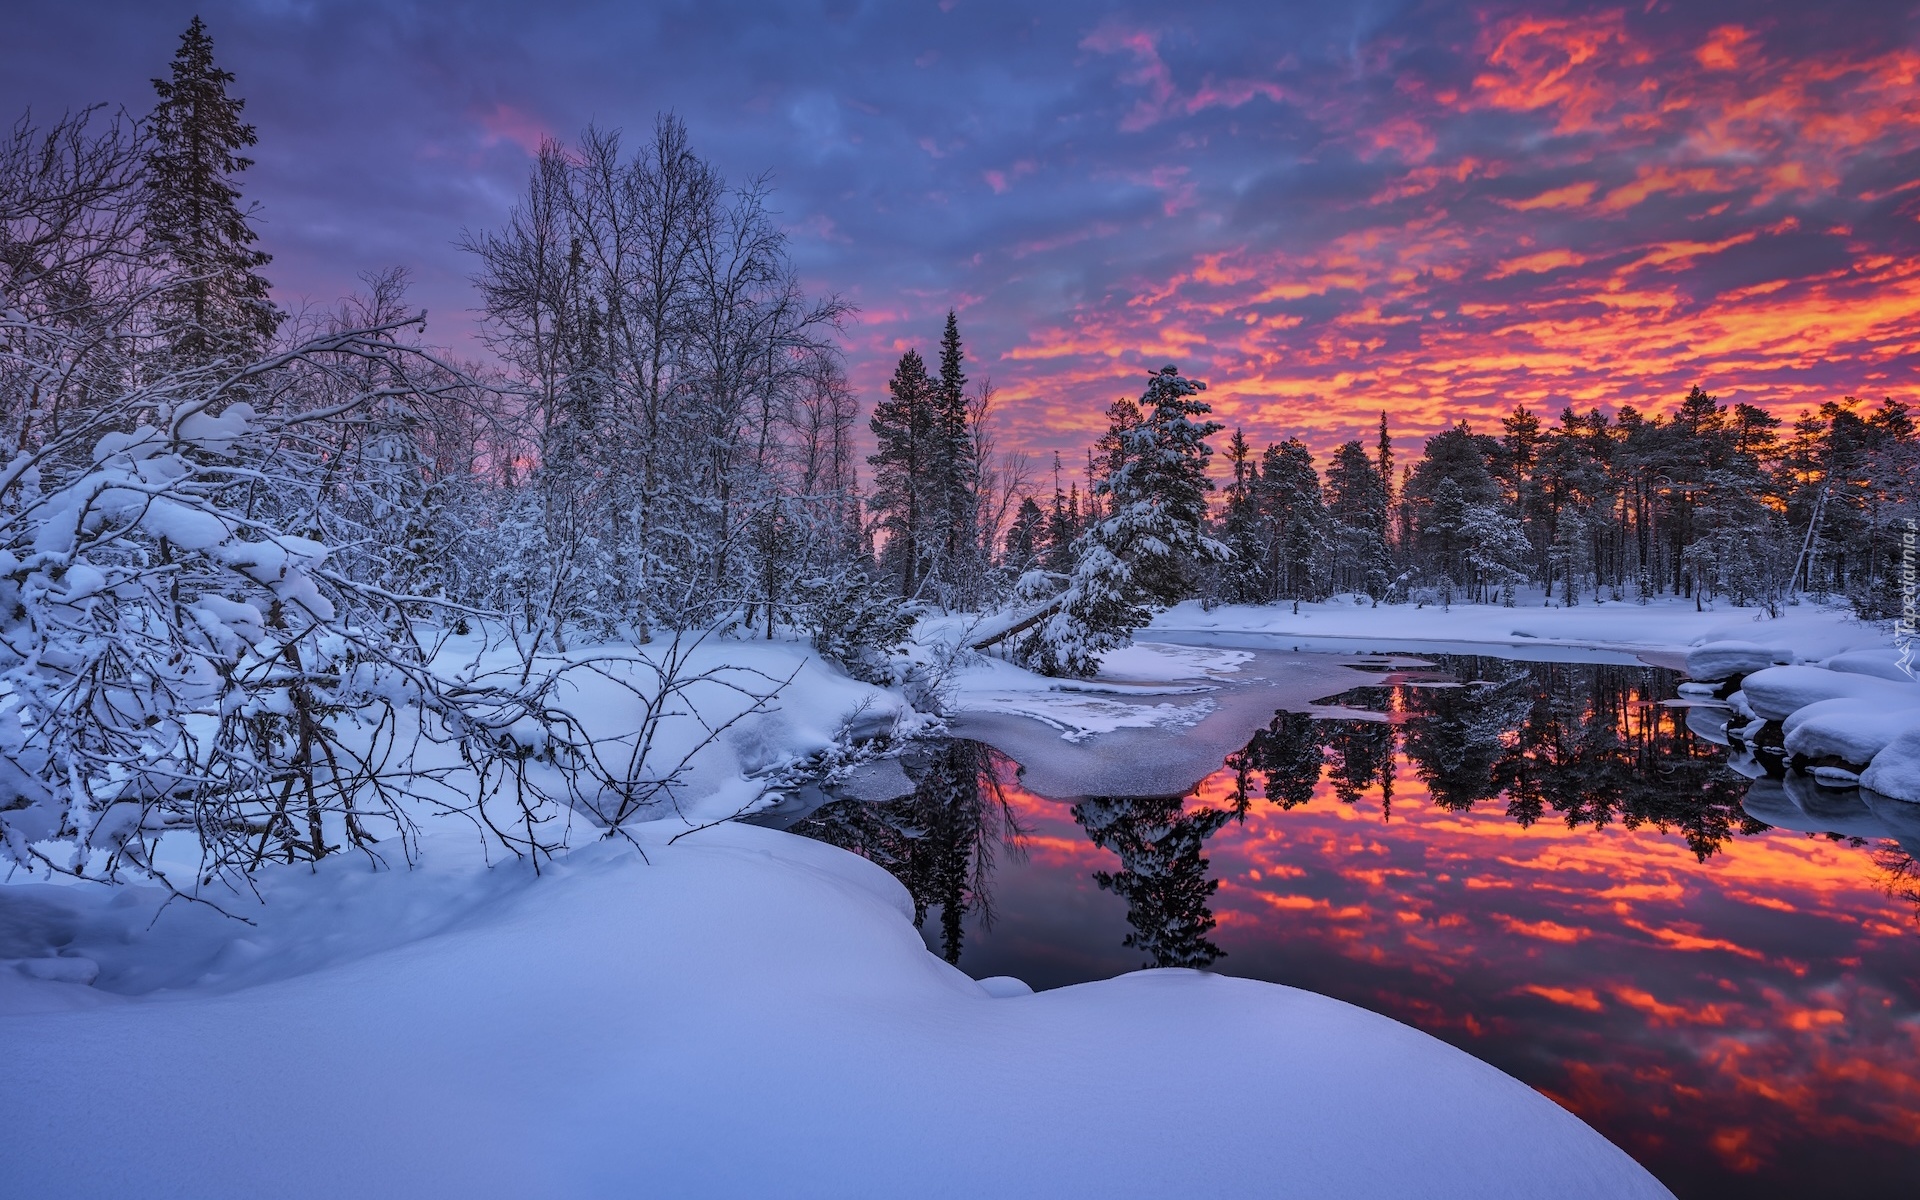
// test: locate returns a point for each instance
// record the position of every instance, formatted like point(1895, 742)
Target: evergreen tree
point(1383, 459)
point(1147, 548)
point(1450, 478)
point(194, 220)
point(1025, 537)
point(954, 466)
point(1358, 507)
point(1158, 494)
point(1244, 580)
point(1522, 440)
point(905, 425)
point(1291, 507)
point(1064, 525)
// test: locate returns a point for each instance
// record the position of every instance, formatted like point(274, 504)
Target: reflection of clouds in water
point(1581, 901)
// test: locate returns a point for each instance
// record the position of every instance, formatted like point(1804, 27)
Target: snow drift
point(750, 1014)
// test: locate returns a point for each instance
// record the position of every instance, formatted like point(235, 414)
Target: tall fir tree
point(1292, 509)
point(955, 465)
point(194, 218)
point(1383, 459)
point(1244, 580)
point(1357, 503)
point(904, 426)
point(1026, 537)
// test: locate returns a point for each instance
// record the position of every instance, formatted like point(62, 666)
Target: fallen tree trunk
point(1021, 626)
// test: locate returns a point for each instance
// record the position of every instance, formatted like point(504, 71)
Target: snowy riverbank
point(739, 1012)
point(745, 1013)
point(1666, 626)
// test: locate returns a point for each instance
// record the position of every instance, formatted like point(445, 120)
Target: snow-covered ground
point(1664, 626)
point(744, 1012)
point(741, 1013)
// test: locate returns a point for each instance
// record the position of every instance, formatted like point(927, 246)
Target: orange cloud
point(1723, 48)
point(1574, 195)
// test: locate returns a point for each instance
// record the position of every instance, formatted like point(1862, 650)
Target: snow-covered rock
point(1883, 662)
point(1774, 693)
point(1848, 728)
point(1895, 771)
point(1724, 660)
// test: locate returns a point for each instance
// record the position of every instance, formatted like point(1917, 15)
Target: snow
point(1801, 632)
point(742, 1012)
point(1081, 709)
point(1156, 662)
point(739, 1013)
point(1883, 662)
point(1895, 771)
point(1848, 728)
point(1724, 660)
point(1776, 692)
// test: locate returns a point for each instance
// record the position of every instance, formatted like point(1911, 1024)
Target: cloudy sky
point(1325, 210)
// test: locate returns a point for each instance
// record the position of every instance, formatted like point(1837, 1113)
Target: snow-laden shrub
point(179, 655)
point(854, 622)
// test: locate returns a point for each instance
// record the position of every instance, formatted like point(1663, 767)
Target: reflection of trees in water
point(1287, 754)
point(1457, 736)
point(1899, 873)
point(1582, 741)
point(1595, 747)
point(1162, 875)
point(1359, 756)
point(1585, 741)
point(941, 841)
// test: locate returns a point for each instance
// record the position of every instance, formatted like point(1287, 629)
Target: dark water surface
point(1536, 862)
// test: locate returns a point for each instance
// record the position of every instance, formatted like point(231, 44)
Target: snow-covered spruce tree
point(217, 304)
point(1497, 552)
point(1357, 505)
point(1291, 508)
point(905, 425)
point(1244, 578)
point(957, 475)
point(1026, 538)
point(1148, 547)
point(1743, 552)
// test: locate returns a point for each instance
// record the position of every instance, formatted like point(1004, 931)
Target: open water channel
point(1537, 862)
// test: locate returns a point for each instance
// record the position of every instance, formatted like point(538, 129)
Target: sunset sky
point(1324, 210)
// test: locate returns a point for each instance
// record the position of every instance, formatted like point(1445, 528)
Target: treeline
point(1715, 503)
